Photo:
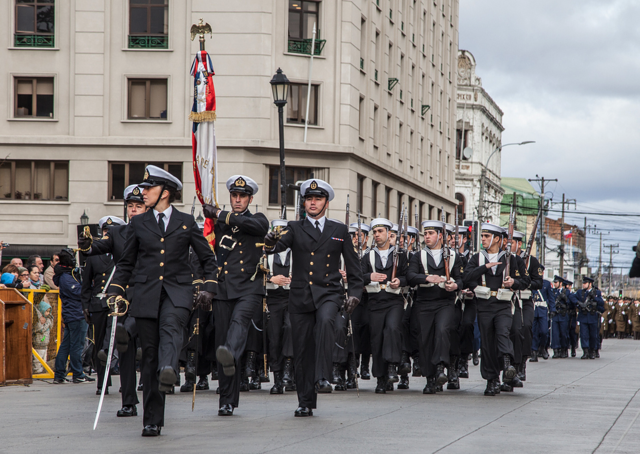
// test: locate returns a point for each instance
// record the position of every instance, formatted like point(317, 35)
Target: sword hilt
point(113, 301)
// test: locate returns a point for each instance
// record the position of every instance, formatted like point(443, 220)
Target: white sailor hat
point(133, 193)
point(394, 228)
point(413, 231)
point(450, 228)
point(279, 223)
point(491, 228)
point(155, 176)
point(381, 222)
point(353, 227)
point(462, 230)
point(241, 183)
point(108, 221)
point(317, 187)
point(433, 225)
point(518, 235)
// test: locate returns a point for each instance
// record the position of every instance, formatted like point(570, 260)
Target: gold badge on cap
point(146, 174)
point(240, 183)
point(313, 185)
point(109, 221)
point(136, 191)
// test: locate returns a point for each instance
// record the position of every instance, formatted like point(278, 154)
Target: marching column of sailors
point(327, 300)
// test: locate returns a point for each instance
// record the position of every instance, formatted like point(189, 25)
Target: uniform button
point(161, 263)
point(328, 255)
point(102, 288)
point(312, 253)
point(239, 244)
point(241, 262)
point(103, 274)
point(162, 240)
point(241, 269)
point(161, 278)
point(310, 283)
point(103, 281)
point(226, 272)
point(162, 251)
point(311, 263)
point(225, 263)
point(127, 286)
point(241, 252)
point(184, 227)
point(327, 265)
point(310, 273)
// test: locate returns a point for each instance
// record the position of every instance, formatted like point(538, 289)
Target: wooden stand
point(15, 338)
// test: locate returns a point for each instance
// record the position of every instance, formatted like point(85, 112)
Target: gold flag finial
point(201, 29)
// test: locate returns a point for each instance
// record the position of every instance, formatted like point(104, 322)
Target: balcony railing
point(33, 40)
point(148, 42)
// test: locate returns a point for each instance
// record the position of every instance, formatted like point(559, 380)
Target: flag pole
point(306, 117)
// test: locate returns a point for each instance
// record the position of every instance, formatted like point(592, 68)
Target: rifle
point(527, 252)
point(359, 233)
point(445, 245)
point(395, 249)
point(346, 216)
point(455, 238)
point(512, 222)
point(405, 234)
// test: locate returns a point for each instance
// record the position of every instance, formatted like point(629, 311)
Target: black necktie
point(161, 222)
point(318, 227)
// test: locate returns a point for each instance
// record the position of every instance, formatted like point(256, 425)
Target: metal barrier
point(53, 298)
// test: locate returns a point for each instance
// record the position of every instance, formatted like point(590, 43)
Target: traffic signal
point(620, 294)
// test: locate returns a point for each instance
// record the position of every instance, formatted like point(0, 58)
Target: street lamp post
point(84, 219)
point(280, 87)
point(483, 176)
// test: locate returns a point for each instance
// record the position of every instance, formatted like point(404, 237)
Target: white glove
point(601, 319)
point(610, 321)
point(629, 322)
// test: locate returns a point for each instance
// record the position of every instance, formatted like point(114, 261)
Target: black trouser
point(341, 347)
point(202, 343)
point(515, 334)
point(528, 314)
point(361, 329)
point(99, 322)
point(279, 333)
point(386, 337)
point(411, 330)
point(494, 321)
point(161, 340)
point(454, 337)
point(254, 335)
point(232, 320)
point(435, 331)
point(467, 326)
point(313, 338)
point(573, 336)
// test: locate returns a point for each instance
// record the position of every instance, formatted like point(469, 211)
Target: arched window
point(461, 207)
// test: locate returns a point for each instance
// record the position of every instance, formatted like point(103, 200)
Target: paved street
point(567, 405)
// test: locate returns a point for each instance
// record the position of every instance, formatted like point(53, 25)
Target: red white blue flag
point(203, 137)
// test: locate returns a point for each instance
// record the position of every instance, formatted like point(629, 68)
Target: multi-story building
point(478, 134)
point(95, 90)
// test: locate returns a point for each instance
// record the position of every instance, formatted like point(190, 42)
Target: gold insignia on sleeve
point(517, 273)
point(540, 271)
point(462, 269)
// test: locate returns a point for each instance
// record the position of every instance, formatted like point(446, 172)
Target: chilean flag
point(203, 137)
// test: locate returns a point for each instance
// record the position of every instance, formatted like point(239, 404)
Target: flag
point(203, 137)
point(568, 234)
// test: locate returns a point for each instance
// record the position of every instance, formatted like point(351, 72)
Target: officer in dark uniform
point(435, 302)
point(239, 237)
point(113, 244)
point(386, 304)
point(408, 292)
point(590, 305)
point(157, 247)
point(573, 317)
point(486, 275)
point(544, 301)
point(469, 310)
point(96, 272)
point(316, 291)
point(279, 326)
point(560, 320)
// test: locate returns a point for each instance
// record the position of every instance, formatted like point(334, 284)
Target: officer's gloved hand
point(203, 300)
point(553, 314)
point(271, 239)
point(210, 211)
point(87, 316)
point(84, 243)
point(351, 304)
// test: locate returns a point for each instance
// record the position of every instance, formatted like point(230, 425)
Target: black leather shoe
point(226, 410)
point(405, 364)
point(226, 360)
point(416, 368)
point(167, 379)
point(404, 382)
point(190, 367)
point(187, 387)
point(573, 352)
point(335, 374)
point(463, 367)
point(323, 386)
point(122, 338)
point(392, 373)
point(287, 376)
point(496, 386)
point(516, 382)
point(534, 357)
point(556, 353)
point(389, 386)
point(489, 391)
point(99, 391)
point(102, 356)
point(151, 431)
point(476, 359)
point(597, 353)
point(365, 374)
point(507, 388)
point(244, 385)
point(203, 383)
point(278, 387)
point(453, 384)
point(585, 354)
point(250, 364)
point(565, 353)
point(303, 412)
point(508, 371)
point(592, 354)
point(140, 387)
point(255, 383)
point(127, 410)
point(522, 371)
point(430, 387)
point(381, 387)
point(441, 378)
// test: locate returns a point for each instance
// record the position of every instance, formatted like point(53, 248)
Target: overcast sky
point(567, 75)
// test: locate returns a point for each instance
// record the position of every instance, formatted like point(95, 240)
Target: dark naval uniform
point(535, 273)
point(590, 305)
point(316, 295)
point(544, 301)
point(435, 308)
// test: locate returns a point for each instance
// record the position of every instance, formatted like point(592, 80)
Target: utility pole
point(600, 264)
point(611, 252)
point(561, 248)
point(542, 181)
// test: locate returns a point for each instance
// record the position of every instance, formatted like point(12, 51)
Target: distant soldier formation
point(322, 303)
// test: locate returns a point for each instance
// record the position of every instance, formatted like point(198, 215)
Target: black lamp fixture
point(84, 219)
point(280, 87)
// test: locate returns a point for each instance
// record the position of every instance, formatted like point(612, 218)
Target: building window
point(376, 133)
point(34, 180)
point(123, 174)
point(293, 174)
point(148, 24)
point(374, 199)
point(361, 118)
point(360, 205)
point(302, 15)
point(461, 207)
point(147, 99)
point(33, 97)
point(387, 203)
point(34, 23)
point(297, 105)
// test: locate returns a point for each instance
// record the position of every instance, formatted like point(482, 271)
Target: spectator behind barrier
point(41, 334)
point(16, 261)
point(12, 280)
point(37, 260)
point(34, 277)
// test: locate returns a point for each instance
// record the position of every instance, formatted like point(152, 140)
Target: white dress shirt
point(167, 216)
point(320, 222)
